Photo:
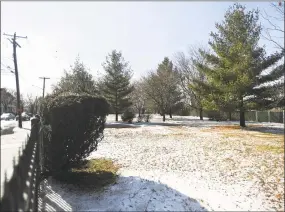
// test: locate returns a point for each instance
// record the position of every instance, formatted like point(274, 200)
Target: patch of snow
point(10, 145)
point(160, 171)
point(6, 124)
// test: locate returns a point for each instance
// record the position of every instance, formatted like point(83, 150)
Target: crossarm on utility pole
point(44, 84)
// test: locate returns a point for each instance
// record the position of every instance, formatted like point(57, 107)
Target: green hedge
point(77, 124)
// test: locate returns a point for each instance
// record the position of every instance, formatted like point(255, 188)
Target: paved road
point(10, 145)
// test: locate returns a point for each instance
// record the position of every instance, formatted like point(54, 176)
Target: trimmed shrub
point(77, 124)
point(128, 116)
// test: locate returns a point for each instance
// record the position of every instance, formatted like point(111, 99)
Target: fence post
point(35, 123)
point(268, 116)
point(35, 127)
point(283, 117)
point(256, 116)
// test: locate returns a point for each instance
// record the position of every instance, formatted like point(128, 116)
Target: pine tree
point(162, 87)
point(170, 77)
point(234, 76)
point(117, 85)
point(77, 80)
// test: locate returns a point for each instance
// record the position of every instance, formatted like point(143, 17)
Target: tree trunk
point(163, 117)
point(241, 114)
point(230, 116)
point(201, 113)
point(5, 107)
point(116, 104)
point(139, 113)
point(170, 113)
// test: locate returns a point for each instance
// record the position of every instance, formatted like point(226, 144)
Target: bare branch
point(274, 27)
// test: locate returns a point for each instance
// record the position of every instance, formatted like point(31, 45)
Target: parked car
point(7, 116)
point(25, 117)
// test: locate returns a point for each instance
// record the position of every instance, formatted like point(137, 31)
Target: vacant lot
point(197, 166)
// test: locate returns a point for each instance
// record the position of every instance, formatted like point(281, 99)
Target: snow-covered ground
point(10, 145)
point(7, 124)
point(189, 167)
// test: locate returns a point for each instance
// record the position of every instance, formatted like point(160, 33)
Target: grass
point(93, 174)
point(227, 127)
point(273, 149)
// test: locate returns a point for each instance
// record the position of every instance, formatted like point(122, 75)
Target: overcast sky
point(145, 32)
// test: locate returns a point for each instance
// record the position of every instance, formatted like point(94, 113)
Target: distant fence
point(21, 191)
point(257, 116)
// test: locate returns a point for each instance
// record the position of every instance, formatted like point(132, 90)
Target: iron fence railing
point(21, 190)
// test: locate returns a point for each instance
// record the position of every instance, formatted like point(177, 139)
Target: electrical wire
point(10, 72)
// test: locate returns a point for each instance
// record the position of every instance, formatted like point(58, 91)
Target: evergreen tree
point(77, 80)
point(162, 87)
point(234, 76)
point(170, 80)
point(117, 87)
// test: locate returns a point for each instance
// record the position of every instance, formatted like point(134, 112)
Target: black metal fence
point(21, 191)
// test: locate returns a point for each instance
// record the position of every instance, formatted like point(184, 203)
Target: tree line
point(232, 73)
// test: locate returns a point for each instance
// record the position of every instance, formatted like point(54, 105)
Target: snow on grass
point(191, 167)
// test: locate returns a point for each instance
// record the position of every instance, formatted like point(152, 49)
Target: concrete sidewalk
point(10, 145)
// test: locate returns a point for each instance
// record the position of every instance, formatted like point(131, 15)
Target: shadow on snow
point(127, 194)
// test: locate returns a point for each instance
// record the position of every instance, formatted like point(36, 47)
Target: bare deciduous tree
point(187, 72)
point(273, 32)
point(138, 97)
point(32, 104)
point(155, 90)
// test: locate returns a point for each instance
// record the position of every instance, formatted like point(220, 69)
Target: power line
point(5, 65)
point(37, 87)
point(9, 68)
point(15, 44)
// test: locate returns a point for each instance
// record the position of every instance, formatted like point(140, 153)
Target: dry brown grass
point(237, 132)
point(227, 127)
point(93, 174)
point(270, 148)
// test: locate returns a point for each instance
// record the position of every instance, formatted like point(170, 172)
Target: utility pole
point(15, 44)
point(44, 84)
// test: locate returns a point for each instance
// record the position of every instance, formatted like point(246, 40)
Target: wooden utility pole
point(15, 44)
point(44, 84)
